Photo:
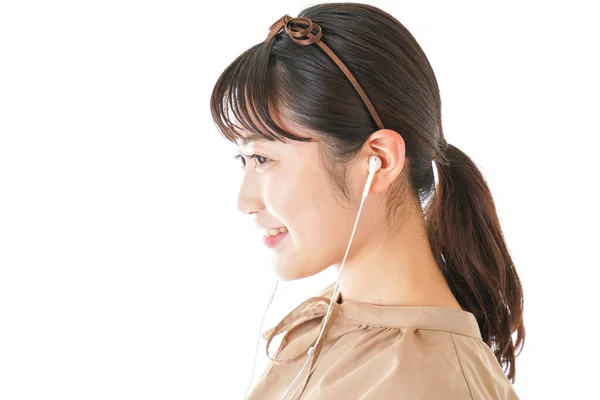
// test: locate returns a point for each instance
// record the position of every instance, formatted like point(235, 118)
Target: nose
point(249, 200)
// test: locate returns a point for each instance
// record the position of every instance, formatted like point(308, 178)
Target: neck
point(396, 270)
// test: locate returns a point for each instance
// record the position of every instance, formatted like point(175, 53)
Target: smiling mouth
point(273, 240)
point(275, 232)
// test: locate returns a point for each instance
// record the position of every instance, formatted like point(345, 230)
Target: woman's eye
point(260, 160)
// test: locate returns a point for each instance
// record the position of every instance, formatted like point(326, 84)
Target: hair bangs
point(242, 95)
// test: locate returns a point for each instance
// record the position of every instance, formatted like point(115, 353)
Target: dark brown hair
point(460, 216)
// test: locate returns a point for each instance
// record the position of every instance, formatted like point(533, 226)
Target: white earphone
point(374, 166)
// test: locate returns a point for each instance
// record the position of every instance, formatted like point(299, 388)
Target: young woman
point(337, 117)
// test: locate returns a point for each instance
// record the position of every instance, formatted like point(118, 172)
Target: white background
point(126, 271)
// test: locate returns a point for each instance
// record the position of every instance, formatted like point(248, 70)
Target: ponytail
point(466, 237)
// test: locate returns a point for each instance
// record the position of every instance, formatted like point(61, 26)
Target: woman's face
point(286, 186)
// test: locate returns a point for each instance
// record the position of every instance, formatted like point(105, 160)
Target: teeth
point(273, 232)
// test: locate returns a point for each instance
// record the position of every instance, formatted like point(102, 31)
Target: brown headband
point(299, 27)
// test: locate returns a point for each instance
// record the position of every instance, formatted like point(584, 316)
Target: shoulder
point(481, 371)
point(432, 364)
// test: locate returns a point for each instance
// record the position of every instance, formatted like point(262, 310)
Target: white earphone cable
point(329, 308)
point(374, 166)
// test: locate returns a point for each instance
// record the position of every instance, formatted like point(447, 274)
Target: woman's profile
point(337, 118)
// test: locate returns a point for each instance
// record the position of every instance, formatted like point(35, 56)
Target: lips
point(273, 240)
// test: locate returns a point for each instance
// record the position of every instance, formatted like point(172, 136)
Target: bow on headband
point(291, 24)
point(299, 27)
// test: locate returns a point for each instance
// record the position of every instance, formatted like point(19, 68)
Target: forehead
point(248, 139)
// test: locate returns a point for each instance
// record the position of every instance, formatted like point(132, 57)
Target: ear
point(391, 149)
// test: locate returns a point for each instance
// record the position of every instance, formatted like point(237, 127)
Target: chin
point(287, 272)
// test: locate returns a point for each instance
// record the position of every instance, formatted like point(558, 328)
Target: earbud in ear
point(374, 166)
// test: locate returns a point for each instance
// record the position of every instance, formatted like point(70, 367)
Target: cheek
point(311, 209)
point(283, 200)
point(303, 196)
point(317, 223)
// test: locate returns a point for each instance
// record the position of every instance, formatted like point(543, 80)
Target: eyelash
point(251, 156)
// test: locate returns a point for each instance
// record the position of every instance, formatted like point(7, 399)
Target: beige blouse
point(381, 352)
